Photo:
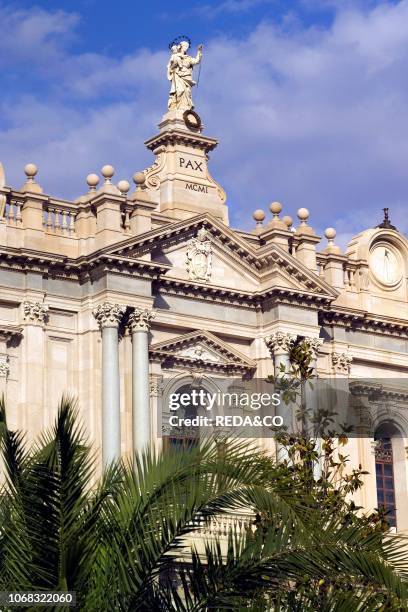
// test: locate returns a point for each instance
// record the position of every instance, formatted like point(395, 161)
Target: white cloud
point(311, 117)
point(34, 36)
point(229, 6)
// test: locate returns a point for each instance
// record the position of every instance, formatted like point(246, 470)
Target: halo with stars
point(178, 40)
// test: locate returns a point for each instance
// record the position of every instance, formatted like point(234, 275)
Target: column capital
point(35, 312)
point(4, 367)
point(341, 362)
point(156, 386)
point(108, 314)
point(140, 319)
point(314, 345)
point(280, 342)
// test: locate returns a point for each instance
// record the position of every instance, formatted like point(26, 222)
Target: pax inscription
point(191, 164)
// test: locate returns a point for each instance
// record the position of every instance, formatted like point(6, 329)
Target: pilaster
point(35, 316)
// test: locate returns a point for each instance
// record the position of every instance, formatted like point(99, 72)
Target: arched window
point(185, 437)
point(384, 468)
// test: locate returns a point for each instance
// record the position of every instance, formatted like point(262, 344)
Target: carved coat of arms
point(199, 256)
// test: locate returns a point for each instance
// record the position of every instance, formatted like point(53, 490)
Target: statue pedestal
point(179, 180)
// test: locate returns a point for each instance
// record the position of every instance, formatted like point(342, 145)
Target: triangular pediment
point(235, 262)
point(201, 349)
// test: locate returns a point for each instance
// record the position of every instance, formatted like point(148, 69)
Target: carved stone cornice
point(341, 362)
point(362, 321)
point(122, 265)
point(251, 299)
point(35, 312)
point(280, 342)
point(109, 314)
point(78, 269)
point(10, 332)
point(140, 319)
point(177, 136)
point(376, 392)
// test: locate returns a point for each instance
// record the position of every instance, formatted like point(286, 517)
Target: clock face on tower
point(385, 264)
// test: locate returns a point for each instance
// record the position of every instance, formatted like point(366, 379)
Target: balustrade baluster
point(64, 220)
point(10, 216)
point(72, 223)
point(346, 279)
point(57, 222)
point(49, 218)
point(68, 221)
point(19, 217)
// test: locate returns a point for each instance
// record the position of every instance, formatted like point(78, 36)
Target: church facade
point(127, 295)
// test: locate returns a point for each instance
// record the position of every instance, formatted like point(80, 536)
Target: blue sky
point(308, 98)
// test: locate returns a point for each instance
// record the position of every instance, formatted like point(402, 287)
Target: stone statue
point(180, 73)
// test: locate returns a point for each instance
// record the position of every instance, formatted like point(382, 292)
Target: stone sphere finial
point(92, 180)
point(30, 171)
point(123, 187)
point(288, 221)
point(139, 179)
point(330, 234)
point(258, 216)
point(332, 248)
point(107, 172)
point(275, 208)
point(303, 215)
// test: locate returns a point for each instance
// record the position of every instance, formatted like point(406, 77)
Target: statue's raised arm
point(197, 58)
point(180, 73)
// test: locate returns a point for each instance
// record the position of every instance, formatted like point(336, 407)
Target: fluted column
point(108, 316)
point(280, 344)
point(139, 323)
point(314, 345)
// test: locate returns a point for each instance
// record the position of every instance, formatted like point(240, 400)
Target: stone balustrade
point(223, 524)
point(12, 212)
point(352, 275)
point(59, 219)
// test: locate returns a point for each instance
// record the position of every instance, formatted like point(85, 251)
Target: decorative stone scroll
point(35, 312)
point(280, 342)
point(152, 173)
point(140, 319)
point(199, 256)
point(341, 362)
point(109, 314)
